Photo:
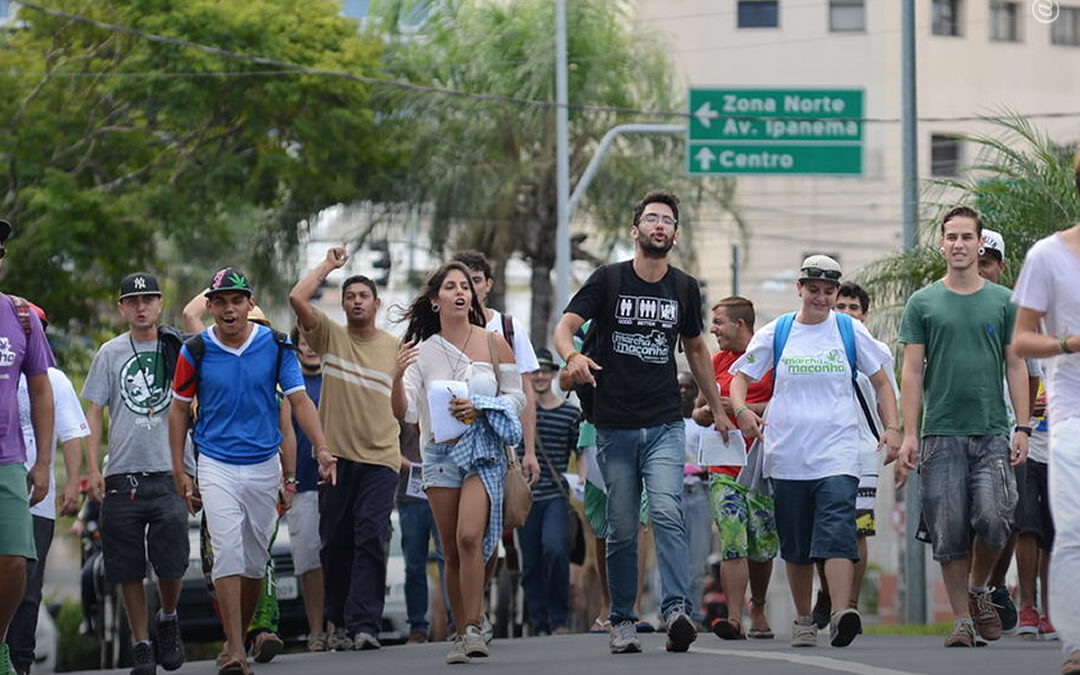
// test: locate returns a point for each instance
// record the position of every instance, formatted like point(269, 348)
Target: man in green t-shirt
point(956, 334)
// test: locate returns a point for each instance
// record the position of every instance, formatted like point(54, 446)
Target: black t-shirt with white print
point(638, 386)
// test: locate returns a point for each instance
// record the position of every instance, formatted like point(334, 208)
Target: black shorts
point(1034, 508)
point(143, 514)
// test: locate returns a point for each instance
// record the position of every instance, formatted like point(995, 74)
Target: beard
point(651, 250)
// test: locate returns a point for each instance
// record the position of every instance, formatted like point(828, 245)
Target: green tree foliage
point(118, 152)
point(485, 169)
point(1022, 183)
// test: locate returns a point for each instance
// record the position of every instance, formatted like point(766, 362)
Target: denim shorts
point(143, 517)
point(440, 470)
point(816, 518)
point(1034, 508)
point(966, 486)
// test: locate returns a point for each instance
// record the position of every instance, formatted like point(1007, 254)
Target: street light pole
point(914, 553)
point(562, 163)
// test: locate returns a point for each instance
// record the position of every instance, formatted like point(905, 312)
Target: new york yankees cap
point(139, 283)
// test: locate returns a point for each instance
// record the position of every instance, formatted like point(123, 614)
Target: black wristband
point(1026, 430)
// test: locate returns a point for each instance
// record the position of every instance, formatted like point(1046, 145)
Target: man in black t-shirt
point(641, 308)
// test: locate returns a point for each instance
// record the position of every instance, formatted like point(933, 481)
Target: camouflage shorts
point(744, 519)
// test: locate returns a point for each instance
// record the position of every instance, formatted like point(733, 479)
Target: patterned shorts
point(745, 520)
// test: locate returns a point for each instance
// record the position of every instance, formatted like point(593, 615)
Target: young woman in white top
point(446, 340)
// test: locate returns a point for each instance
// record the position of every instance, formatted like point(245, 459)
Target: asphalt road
point(868, 655)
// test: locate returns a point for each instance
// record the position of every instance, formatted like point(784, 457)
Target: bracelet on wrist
point(571, 355)
point(741, 409)
point(1021, 428)
point(1063, 343)
point(893, 427)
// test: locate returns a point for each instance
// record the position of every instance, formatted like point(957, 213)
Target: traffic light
point(381, 261)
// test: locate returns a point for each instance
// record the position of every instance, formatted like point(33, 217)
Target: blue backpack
point(847, 334)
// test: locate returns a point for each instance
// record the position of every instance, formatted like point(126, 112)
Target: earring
point(982, 249)
point(434, 308)
point(941, 250)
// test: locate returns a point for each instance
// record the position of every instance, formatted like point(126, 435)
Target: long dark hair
point(424, 321)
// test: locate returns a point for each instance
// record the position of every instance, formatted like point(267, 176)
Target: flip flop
point(600, 626)
point(232, 666)
point(728, 629)
point(760, 633)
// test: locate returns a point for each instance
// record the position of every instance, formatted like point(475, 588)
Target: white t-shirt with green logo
point(812, 428)
point(130, 379)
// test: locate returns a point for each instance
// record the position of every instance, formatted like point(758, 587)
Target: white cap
point(993, 241)
point(823, 263)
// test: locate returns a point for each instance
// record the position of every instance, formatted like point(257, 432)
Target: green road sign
point(793, 131)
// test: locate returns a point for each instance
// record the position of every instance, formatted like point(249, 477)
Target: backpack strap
point(508, 329)
point(282, 341)
point(682, 294)
point(847, 334)
point(22, 311)
point(780, 336)
point(197, 348)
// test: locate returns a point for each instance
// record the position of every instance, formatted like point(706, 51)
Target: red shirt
point(757, 392)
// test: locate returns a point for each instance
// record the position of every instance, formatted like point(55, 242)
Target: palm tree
point(1023, 184)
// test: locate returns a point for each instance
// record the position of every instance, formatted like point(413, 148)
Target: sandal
point(231, 666)
point(728, 629)
point(760, 633)
point(600, 626)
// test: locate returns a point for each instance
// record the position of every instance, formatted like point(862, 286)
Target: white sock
point(977, 589)
point(162, 616)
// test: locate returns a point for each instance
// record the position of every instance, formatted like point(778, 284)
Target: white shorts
point(241, 513)
point(304, 540)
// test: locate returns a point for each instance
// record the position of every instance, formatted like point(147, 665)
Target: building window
point(759, 13)
point(1004, 21)
point(357, 9)
point(946, 17)
point(1066, 30)
point(945, 151)
point(847, 15)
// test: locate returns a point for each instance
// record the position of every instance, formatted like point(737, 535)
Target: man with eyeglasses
point(957, 337)
point(641, 308)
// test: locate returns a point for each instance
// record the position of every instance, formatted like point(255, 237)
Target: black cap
point(5, 231)
point(139, 283)
point(545, 359)
point(229, 279)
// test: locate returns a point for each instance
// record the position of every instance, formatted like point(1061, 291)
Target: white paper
point(444, 425)
point(414, 486)
point(713, 452)
point(577, 486)
point(592, 469)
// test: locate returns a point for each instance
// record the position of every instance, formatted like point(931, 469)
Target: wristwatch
point(1026, 430)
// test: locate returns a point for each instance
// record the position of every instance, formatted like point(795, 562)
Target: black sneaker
point(680, 632)
point(168, 646)
point(142, 659)
point(1005, 608)
point(822, 610)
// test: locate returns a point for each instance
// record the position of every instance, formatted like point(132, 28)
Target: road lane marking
point(814, 661)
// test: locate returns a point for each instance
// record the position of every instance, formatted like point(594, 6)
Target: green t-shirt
point(965, 338)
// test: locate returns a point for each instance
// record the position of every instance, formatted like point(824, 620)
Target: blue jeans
point(417, 528)
point(653, 456)
point(545, 560)
point(697, 514)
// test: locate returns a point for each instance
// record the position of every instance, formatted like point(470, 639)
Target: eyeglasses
point(654, 218)
point(818, 273)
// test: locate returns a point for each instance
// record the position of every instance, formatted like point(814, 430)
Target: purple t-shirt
point(19, 353)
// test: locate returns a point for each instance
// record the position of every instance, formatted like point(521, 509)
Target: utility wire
point(296, 69)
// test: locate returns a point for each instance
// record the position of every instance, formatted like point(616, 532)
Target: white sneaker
point(474, 642)
point(456, 653)
point(366, 641)
point(486, 628)
point(804, 632)
point(624, 639)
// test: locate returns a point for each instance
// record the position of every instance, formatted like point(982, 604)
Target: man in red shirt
point(744, 518)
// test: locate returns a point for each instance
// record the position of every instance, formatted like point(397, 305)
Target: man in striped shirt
point(545, 537)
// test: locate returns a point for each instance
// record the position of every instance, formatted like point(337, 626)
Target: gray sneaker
point(456, 653)
point(486, 628)
point(681, 632)
point(804, 632)
point(365, 641)
point(844, 626)
point(338, 640)
point(475, 644)
point(624, 639)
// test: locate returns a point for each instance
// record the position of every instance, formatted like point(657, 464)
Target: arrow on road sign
point(705, 158)
point(705, 114)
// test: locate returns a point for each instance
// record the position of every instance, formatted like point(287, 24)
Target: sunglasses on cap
point(818, 273)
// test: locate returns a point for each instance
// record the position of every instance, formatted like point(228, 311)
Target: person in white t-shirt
point(812, 442)
point(854, 301)
point(70, 429)
point(1046, 294)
